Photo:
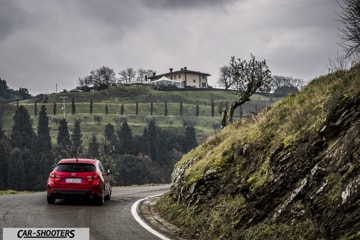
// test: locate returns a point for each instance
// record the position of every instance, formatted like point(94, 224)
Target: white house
point(182, 78)
point(164, 81)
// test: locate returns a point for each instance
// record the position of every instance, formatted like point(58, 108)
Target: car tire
point(101, 199)
point(51, 200)
point(108, 197)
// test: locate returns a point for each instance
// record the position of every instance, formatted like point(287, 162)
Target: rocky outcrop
point(309, 188)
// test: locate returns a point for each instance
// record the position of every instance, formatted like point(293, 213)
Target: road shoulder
point(147, 211)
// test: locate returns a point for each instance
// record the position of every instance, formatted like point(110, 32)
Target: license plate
point(73, 180)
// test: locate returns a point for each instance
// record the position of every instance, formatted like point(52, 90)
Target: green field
point(130, 97)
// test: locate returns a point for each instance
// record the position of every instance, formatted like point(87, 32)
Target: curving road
point(109, 222)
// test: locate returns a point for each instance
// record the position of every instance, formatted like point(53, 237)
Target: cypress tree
point(181, 108)
point(43, 130)
point(122, 109)
point(43, 153)
point(125, 139)
point(22, 135)
point(91, 106)
point(16, 170)
point(137, 108)
point(166, 109)
point(5, 149)
point(23, 157)
point(212, 108)
point(110, 136)
point(76, 138)
point(145, 144)
point(151, 108)
point(153, 140)
point(63, 137)
point(31, 168)
point(35, 109)
point(189, 139)
point(2, 134)
point(93, 150)
point(54, 108)
point(197, 110)
point(73, 107)
point(106, 109)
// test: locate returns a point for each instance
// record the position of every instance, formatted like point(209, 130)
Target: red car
point(79, 178)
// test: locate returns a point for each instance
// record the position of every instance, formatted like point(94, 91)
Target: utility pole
point(63, 108)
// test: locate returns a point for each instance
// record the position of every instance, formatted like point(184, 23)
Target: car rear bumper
point(62, 193)
point(72, 194)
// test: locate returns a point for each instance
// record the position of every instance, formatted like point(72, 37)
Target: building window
point(194, 81)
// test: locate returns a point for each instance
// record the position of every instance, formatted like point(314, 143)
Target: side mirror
point(108, 171)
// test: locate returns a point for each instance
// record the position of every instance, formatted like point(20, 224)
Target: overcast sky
point(49, 42)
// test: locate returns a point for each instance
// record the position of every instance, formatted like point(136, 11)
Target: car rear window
point(75, 167)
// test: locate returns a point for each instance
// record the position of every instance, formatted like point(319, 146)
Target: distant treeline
point(8, 94)
point(27, 156)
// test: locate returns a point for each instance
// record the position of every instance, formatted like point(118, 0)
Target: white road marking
point(135, 214)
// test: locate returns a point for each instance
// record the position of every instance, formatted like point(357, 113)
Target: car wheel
point(101, 199)
point(50, 200)
point(108, 197)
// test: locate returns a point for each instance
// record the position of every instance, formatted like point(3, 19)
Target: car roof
point(78, 160)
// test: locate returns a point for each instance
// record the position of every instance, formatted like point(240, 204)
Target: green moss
point(302, 231)
point(258, 179)
point(335, 186)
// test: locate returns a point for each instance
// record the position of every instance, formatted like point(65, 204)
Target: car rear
point(75, 178)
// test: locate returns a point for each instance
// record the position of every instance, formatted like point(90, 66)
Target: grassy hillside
point(291, 172)
point(128, 96)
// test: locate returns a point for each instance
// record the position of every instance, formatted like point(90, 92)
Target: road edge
point(136, 216)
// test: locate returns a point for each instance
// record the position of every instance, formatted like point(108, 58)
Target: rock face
point(301, 182)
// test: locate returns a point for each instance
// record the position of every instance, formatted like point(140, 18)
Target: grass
point(239, 157)
point(115, 97)
point(10, 192)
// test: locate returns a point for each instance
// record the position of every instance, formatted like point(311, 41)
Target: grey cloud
point(120, 14)
point(176, 4)
point(55, 41)
point(11, 18)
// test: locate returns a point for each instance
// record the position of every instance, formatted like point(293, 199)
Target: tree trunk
point(234, 105)
point(224, 118)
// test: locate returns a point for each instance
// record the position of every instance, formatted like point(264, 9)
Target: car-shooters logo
point(46, 233)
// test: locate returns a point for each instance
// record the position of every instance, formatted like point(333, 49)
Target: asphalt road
point(112, 221)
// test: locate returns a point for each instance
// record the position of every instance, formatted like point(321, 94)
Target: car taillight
point(93, 177)
point(53, 175)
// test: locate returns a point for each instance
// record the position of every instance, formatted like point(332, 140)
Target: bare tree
point(282, 81)
point(225, 77)
point(127, 75)
point(143, 74)
point(350, 17)
point(248, 77)
point(100, 77)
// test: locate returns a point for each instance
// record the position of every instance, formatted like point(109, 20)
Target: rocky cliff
point(292, 172)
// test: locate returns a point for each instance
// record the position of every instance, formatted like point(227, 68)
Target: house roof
point(164, 78)
point(182, 70)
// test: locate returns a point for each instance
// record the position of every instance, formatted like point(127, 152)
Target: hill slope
point(292, 172)
point(137, 102)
